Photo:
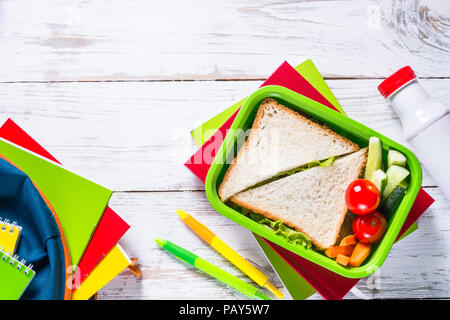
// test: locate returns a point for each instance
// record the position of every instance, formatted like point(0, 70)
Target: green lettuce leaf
point(281, 229)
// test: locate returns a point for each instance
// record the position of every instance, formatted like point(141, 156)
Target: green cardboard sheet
point(78, 202)
point(295, 284)
point(297, 287)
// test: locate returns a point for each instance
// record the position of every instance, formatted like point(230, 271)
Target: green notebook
point(78, 202)
point(298, 288)
point(14, 277)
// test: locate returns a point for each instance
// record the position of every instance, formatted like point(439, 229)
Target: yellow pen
point(203, 232)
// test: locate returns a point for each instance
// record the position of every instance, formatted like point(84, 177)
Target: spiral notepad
point(9, 235)
point(15, 276)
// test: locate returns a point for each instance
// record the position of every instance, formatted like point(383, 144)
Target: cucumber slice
point(404, 184)
point(388, 207)
point(373, 158)
point(379, 179)
point(395, 175)
point(396, 158)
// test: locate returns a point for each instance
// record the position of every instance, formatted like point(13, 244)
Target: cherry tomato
point(362, 197)
point(369, 228)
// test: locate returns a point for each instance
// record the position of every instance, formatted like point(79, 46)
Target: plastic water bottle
point(426, 123)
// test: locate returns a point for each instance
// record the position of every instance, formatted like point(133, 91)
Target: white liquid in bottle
point(426, 123)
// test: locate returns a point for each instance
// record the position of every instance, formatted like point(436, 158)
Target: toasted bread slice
point(280, 140)
point(310, 201)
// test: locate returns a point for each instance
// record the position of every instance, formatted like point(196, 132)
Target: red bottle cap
point(396, 80)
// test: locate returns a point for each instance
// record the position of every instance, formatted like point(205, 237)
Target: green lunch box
point(339, 123)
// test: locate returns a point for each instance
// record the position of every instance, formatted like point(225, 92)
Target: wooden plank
point(135, 135)
point(239, 39)
point(417, 267)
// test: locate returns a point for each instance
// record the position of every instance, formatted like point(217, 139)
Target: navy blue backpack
point(42, 242)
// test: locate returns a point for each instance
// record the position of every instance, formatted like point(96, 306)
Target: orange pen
point(246, 267)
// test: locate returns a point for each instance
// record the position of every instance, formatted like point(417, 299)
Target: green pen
point(211, 269)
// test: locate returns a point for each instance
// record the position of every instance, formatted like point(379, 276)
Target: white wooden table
point(112, 89)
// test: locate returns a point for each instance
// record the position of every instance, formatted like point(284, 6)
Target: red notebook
point(329, 284)
point(108, 232)
point(111, 226)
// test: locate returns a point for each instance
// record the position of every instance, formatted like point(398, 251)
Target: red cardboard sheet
point(111, 226)
point(329, 284)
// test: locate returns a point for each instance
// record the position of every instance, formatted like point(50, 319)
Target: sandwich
point(294, 170)
point(280, 140)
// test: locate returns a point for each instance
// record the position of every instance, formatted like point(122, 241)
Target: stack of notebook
point(91, 228)
point(301, 277)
